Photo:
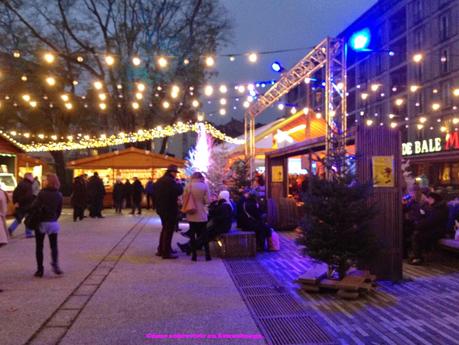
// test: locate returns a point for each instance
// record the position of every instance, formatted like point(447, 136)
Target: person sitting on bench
point(430, 228)
point(252, 220)
point(220, 222)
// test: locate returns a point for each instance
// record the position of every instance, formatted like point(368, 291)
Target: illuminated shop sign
point(432, 145)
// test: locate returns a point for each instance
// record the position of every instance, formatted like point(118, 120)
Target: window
point(444, 61)
point(418, 39)
point(444, 27)
point(397, 24)
point(417, 10)
point(446, 93)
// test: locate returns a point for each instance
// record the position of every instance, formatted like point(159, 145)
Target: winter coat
point(127, 190)
point(166, 193)
point(433, 225)
point(250, 215)
point(95, 188)
point(149, 188)
point(79, 196)
point(23, 194)
point(49, 200)
point(200, 192)
point(3, 211)
point(118, 192)
point(221, 216)
point(137, 191)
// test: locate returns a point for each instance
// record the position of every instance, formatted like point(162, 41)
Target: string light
point(122, 138)
point(223, 89)
point(222, 112)
point(223, 101)
point(414, 88)
point(135, 105)
point(246, 104)
point(364, 96)
point(26, 97)
point(186, 61)
point(162, 62)
point(33, 104)
point(80, 59)
point(208, 90)
point(138, 96)
point(318, 115)
point(253, 57)
point(24, 78)
point(417, 58)
point(16, 54)
point(102, 96)
point(435, 106)
point(375, 87)
point(140, 87)
point(456, 92)
point(166, 105)
point(136, 61)
point(49, 58)
point(98, 85)
point(280, 106)
point(195, 103)
point(65, 97)
point(109, 60)
point(399, 102)
point(210, 61)
point(102, 106)
point(68, 106)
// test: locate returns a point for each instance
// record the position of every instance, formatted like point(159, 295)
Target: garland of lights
point(85, 142)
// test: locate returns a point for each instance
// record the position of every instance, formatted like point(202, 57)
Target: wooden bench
point(237, 244)
point(449, 245)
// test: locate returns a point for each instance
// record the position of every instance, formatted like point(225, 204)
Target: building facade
point(408, 79)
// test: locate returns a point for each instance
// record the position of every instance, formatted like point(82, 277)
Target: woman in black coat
point(79, 198)
point(127, 194)
point(252, 220)
point(137, 193)
point(118, 195)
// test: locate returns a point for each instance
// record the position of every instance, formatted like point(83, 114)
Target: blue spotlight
point(360, 40)
point(277, 67)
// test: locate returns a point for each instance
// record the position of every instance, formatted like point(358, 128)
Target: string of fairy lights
point(84, 141)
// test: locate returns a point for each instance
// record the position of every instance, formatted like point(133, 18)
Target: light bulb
point(210, 61)
point(98, 85)
point(136, 61)
point(109, 60)
point(49, 57)
point(208, 90)
point(253, 57)
point(141, 87)
point(162, 62)
point(195, 103)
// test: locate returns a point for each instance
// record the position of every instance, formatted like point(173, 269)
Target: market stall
point(125, 164)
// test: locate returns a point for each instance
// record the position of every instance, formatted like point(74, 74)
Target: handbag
point(34, 217)
point(189, 204)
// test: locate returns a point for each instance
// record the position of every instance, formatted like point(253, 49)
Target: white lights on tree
point(210, 61)
point(136, 61)
point(162, 62)
point(208, 90)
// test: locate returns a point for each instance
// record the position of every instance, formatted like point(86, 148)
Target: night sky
point(261, 25)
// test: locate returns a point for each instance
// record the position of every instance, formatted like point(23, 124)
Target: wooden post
point(383, 141)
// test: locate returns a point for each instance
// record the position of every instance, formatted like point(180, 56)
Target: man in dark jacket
point(127, 194)
point(137, 193)
point(22, 199)
point(430, 228)
point(79, 198)
point(166, 193)
point(149, 193)
point(96, 193)
point(118, 195)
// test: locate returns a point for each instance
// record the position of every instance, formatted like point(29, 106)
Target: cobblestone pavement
point(423, 309)
point(116, 291)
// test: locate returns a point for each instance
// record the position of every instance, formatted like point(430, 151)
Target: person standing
point(36, 186)
point(3, 212)
point(118, 194)
point(127, 194)
point(137, 193)
point(22, 200)
point(166, 193)
point(197, 192)
point(79, 198)
point(96, 193)
point(49, 202)
point(149, 193)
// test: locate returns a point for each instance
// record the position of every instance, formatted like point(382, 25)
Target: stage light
point(277, 67)
point(360, 40)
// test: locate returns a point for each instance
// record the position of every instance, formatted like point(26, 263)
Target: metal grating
point(274, 305)
point(280, 318)
point(263, 290)
point(294, 330)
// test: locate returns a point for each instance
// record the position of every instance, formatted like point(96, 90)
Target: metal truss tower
point(329, 54)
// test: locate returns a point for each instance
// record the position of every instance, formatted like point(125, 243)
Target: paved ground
point(423, 309)
point(115, 291)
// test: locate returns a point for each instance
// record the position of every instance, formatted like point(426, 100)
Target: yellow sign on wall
point(277, 173)
point(383, 171)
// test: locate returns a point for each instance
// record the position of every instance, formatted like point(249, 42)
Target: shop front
point(125, 165)
point(434, 162)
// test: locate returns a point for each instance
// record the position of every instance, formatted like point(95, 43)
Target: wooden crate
point(237, 244)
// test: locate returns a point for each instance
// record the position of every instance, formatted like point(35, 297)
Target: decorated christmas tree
point(218, 172)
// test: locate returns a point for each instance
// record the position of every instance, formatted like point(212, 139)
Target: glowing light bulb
point(393, 124)
point(375, 87)
point(443, 129)
point(162, 62)
point(435, 106)
point(417, 58)
point(24, 78)
point(232, 58)
point(280, 106)
point(223, 89)
point(109, 60)
point(186, 61)
point(420, 126)
point(318, 115)
point(210, 61)
point(422, 119)
point(246, 104)
point(17, 54)
point(26, 97)
point(305, 110)
point(68, 106)
point(166, 105)
point(138, 96)
point(253, 57)
point(241, 88)
point(223, 101)
point(102, 106)
point(102, 96)
point(222, 112)
point(364, 96)
point(49, 57)
point(135, 105)
point(65, 97)
point(98, 85)
point(119, 86)
point(33, 104)
point(195, 103)
point(399, 102)
point(307, 80)
point(208, 90)
point(414, 88)
point(80, 59)
point(141, 87)
point(369, 122)
point(456, 92)
point(75, 82)
point(136, 61)
point(293, 110)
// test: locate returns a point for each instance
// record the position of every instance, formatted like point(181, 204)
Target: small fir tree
point(218, 171)
point(337, 223)
point(240, 175)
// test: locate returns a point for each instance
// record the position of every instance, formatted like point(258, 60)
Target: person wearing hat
point(166, 193)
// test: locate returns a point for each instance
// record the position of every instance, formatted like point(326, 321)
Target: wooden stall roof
point(131, 158)
point(26, 160)
point(7, 146)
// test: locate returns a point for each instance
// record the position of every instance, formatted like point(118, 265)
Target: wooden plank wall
point(383, 141)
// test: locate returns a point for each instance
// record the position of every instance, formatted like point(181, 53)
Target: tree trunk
point(61, 172)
